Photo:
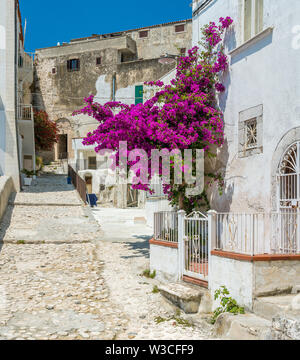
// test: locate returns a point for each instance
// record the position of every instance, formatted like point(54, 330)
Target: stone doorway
point(63, 147)
point(89, 183)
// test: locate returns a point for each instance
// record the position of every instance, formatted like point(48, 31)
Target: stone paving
point(60, 280)
point(49, 190)
point(51, 285)
point(150, 315)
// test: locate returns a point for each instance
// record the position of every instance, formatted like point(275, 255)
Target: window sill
point(251, 41)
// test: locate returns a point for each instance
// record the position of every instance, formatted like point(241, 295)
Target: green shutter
point(139, 94)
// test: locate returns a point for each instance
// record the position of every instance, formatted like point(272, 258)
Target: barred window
point(179, 28)
point(251, 134)
point(143, 34)
point(73, 65)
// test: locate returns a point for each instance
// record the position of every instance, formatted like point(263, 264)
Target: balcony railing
point(25, 112)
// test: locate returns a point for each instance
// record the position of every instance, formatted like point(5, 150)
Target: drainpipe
point(114, 87)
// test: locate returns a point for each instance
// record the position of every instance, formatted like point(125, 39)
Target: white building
point(262, 103)
point(251, 242)
point(16, 74)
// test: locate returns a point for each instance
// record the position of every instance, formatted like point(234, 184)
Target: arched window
point(289, 178)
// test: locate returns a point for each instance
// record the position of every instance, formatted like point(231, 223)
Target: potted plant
point(39, 165)
point(28, 177)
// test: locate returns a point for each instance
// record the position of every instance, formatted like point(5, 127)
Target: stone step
point(242, 327)
point(189, 298)
point(272, 306)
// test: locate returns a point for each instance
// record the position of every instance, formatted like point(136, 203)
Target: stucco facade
point(264, 74)
point(17, 148)
point(8, 133)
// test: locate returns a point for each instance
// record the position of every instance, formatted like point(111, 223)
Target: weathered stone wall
point(6, 188)
point(275, 277)
point(163, 39)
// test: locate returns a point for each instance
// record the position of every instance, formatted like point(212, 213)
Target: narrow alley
point(66, 273)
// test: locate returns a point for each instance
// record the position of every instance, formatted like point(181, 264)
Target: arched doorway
point(289, 178)
point(89, 183)
point(63, 148)
point(288, 219)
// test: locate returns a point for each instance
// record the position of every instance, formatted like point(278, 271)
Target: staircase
point(56, 168)
point(189, 298)
point(273, 318)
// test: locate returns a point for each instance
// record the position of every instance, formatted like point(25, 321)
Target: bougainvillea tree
point(182, 115)
point(45, 130)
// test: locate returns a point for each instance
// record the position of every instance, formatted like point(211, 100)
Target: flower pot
point(27, 181)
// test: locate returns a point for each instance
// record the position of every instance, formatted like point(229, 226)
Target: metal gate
point(289, 200)
point(196, 248)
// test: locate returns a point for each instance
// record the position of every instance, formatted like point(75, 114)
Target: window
point(139, 94)
point(253, 18)
point(54, 71)
point(21, 61)
point(183, 51)
point(99, 61)
point(251, 132)
point(73, 65)
point(179, 28)
point(92, 163)
point(143, 34)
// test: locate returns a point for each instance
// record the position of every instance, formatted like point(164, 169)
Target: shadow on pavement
point(141, 248)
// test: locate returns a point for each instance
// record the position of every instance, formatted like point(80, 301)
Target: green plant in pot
point(28, 176)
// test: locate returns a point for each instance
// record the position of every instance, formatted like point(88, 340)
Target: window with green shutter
point(139, 94)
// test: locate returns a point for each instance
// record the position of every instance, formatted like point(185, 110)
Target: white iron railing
point(258, 234)
point(249, 234)
point(25, 112)
point(241, 233)
point(289, 190)
point(166, 226)
point(285, 232)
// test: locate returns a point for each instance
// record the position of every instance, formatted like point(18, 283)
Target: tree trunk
point(181, 202)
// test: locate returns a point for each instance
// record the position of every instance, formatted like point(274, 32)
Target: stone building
point(110, 66)
point(17, 150)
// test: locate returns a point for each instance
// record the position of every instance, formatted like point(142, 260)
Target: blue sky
point(49, 22)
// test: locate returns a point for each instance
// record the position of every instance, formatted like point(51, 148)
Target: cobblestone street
point(61, 277)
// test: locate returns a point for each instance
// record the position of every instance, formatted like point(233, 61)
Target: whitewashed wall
point(164, 260)
point(267, 73)
point(104, 92)
point(236, 275)
point(2, 83)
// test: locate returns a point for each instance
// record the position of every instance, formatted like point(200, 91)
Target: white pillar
point(181, 236)
point(212, 239)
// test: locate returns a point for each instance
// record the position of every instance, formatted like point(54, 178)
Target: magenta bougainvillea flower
point(182, 115)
